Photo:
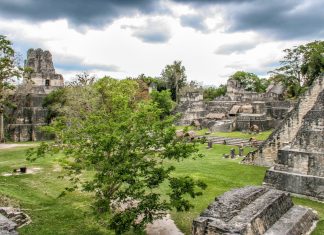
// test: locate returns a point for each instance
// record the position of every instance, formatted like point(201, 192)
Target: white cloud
point(115, 51)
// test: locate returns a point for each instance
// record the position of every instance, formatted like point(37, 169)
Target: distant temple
point(23, 122)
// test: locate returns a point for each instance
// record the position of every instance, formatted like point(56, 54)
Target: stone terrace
point(254, 210)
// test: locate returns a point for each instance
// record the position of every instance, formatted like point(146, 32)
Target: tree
point(300, 67)
point(9, 69)
point(125, 142)
point(175, 77)
point(163, 101)
point(250, 81)
point(211, 93)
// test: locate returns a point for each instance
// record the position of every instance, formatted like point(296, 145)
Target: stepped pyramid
point(300, 166)
point(284, 135)
point(254, 210)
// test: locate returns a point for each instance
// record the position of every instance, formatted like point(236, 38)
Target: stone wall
point(283, 135)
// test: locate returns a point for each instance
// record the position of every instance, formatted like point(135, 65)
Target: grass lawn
point(235, 134)
point(38, 193)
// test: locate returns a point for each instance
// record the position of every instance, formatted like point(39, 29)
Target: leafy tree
point(313, 61)
point(54, 102)
point(175, 77)
point(163, 101)
point(250, 81)
point(125, 142)
point(300, 67)
point(8, 71)
point(211, 93)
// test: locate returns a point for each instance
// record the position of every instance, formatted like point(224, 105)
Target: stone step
point(254, 210)
point(7, 226)
point(297, 221)
point(259, 215)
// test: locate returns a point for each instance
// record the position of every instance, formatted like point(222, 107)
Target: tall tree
point(300, 67)
point(175, 77)
point(250, 81)
point(8, 71)
point(125, 142)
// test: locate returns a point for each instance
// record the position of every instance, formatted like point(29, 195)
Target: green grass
point(38, 193)
point(235, 134)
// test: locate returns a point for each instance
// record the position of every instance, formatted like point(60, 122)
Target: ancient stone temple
point(285, 134)
point(25, 120)
point(299, 166)
point(238, 110)
point(254, 210)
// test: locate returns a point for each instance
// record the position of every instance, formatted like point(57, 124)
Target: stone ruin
point(24, 121)
point(299, 166)
point(295, 149)
point(286, 132)
point(238, 110)
point(11, 219)
point(254, 210)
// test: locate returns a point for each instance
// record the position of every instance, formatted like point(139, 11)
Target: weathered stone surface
point(43, 74)
point(23, 122)
point(15, 215)
point(297, 220)
point(300, 165)
point(308, 185)
point(285, 133)
point(252, 210)
point(7, 227)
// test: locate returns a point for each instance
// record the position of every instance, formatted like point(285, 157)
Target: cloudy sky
point(120, 38)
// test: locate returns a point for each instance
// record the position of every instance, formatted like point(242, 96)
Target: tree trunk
point(2, 140)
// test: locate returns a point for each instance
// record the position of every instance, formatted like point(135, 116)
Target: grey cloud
point(75, 63)
point(195, 21)
point(239, 47)
point(80, 13)
point(154, 31)
point(282, 19)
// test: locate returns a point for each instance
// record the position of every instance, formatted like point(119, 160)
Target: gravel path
point(165, 226)
point(8, 146)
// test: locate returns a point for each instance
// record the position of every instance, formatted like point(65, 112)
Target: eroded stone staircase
point(282, 136)
point(254, 210)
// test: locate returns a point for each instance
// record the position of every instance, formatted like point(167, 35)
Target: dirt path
point(165, 226)
point(8, 146)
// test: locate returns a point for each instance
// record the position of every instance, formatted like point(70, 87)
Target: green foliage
point(300, 67)
point(8, 70)
point(163, 101)
point(54, 101)
point(175, 77)
point(250, 81)
point(211, 93)
point(125, 142)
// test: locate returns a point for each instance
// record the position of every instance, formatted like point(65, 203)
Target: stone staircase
point(300, 165)
point(286, 132)
point(254, 210)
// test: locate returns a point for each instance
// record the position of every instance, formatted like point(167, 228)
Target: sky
point(126, 38)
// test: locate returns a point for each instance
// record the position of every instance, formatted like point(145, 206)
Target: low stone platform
point(254, 210)
point(308, 185)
